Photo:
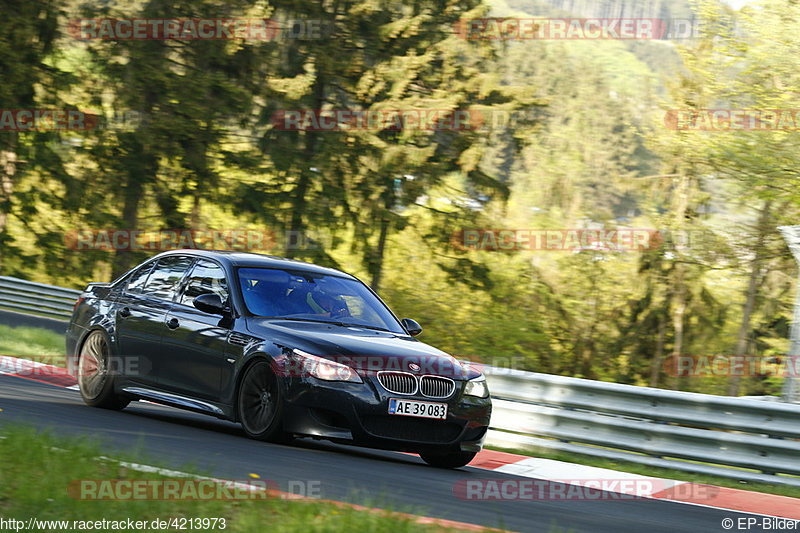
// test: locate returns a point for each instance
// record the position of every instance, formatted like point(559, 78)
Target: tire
point(95, 382)
point(260, 404)
point(448, 460)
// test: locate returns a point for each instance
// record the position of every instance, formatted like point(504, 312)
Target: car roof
point(250, 259)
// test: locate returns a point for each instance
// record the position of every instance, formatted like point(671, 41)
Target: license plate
point(415, 408)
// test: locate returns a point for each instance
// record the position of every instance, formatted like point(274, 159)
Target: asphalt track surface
point(174, 439)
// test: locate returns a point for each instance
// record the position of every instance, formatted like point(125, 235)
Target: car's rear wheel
point(94, 377)
point(447, 460)
point(260, 404)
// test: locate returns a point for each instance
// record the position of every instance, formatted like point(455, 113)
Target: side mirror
point(210, 303)
point(412, 326)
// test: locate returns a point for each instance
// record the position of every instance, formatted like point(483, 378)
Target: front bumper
point(357, 413)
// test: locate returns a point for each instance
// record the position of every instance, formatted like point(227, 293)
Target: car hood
point(361, 348)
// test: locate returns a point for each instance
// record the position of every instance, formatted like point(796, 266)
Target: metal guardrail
point(36, 298)
point(740, 438)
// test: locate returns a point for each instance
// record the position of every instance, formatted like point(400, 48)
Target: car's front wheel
point(94, 376)
point(447, 460)
point(260, 404)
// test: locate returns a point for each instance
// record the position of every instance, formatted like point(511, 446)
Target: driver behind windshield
point(326, 305)
point(312, 296)
point(275, 293)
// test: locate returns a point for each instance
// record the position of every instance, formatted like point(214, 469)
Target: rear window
point(164, 281)
point(137, 280)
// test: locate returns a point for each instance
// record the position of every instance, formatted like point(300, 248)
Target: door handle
point(173, 323)
point(125, 312)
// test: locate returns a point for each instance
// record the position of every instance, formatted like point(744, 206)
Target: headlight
point(477, 387)
point(324, 369)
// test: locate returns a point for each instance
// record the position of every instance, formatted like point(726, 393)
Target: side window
point(206, 277)
point(164, 280)
point(138, 278)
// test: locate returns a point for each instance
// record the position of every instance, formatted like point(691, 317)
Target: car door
point(195, 342)
point(140, 315)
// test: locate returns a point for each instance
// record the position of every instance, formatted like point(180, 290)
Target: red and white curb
point(44, 373)
point(588, 477)
point(635, 485)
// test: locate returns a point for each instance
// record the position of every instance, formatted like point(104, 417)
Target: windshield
point(297, 295)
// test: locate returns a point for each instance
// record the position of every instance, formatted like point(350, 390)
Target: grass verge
point(652, 471)
point(37, 469)
point(37, 344)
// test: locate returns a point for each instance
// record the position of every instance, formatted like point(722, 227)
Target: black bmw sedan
point(285, 348)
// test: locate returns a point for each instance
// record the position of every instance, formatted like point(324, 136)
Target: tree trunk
point(297, 226)
point(194, 217)
point(377, 265)
point(655, 368)
point(123, 259)
point(375, 260)
point(742, 338)
point(141, 168)
point(680, 295)
point(678, 324)
point(8, 169)
point(296, 237)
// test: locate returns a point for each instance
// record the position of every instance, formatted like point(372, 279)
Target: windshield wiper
point(297, 319)
point(334, 322)
point(365, 327)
